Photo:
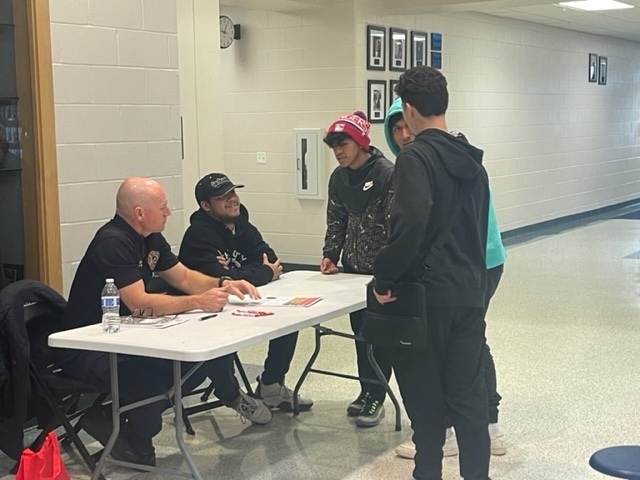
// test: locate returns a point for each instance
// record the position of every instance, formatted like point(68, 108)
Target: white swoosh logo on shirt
point(367, 186)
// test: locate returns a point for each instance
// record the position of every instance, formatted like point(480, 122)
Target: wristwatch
point(222, 279)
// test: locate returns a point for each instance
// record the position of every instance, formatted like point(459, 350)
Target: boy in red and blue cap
point(358, 209)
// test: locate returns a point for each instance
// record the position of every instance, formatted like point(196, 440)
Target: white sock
point(493, 429)
point(450, 433)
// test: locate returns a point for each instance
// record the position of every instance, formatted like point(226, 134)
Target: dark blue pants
point(490, 380)
point(278, 360)
point(493, 397)
point(365, 370)
point(447, 376)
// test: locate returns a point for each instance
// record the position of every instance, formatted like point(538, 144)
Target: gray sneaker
point(251, 409)
point(281, 396)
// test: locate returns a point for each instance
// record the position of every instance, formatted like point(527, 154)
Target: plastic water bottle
point(110, 307)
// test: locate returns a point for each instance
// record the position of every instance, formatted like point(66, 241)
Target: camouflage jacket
point(358, 212)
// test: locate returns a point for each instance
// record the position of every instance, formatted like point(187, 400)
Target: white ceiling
point(615, 23)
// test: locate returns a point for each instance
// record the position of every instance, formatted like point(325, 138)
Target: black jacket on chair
point(15, 354)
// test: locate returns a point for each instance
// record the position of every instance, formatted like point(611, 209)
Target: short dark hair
point(426, 89)
point(333, 139)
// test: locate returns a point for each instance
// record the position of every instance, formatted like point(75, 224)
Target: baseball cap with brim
point(214, 185)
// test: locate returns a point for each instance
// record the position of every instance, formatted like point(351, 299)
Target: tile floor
point(564, 330)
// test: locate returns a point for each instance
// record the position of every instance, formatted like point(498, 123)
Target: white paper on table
point(289, 301)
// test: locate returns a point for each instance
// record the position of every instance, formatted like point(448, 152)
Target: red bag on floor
point(45, 464)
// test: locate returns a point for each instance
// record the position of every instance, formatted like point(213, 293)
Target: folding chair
point(35, 311)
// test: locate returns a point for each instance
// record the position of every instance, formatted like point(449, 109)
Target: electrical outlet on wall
point(261, 157)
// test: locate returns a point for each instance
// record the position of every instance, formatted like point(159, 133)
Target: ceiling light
point(595, 5)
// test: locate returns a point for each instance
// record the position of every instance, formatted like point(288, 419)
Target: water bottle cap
point(109, 280)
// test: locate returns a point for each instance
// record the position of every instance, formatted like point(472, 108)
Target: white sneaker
point(408, 449)
point(251, 409)
point(450, 448)
point(281, 396)
point(498, 447)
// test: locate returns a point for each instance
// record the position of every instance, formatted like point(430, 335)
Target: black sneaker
point(355, 408)
point(97, 423)
point(372, 413)
point(143, 449)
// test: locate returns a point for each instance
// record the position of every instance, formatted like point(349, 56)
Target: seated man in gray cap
point(220, 242)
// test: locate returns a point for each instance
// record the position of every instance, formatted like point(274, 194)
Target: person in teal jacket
point(398, 135)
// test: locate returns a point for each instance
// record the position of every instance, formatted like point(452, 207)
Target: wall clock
point(227, 31)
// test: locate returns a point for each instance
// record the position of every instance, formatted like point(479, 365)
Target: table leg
point(115, 410)
point(177, 406)
point(385, 384)
point(307, 369)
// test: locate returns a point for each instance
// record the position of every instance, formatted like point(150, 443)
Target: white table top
point(196, 341)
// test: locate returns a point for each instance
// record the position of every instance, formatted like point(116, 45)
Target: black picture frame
point(397, 49)
point(10, 132)
point(418, 48)
point(593, 67)
point(602, 70)
point(436, 60)
point(436, 42)
point(377, 99)
point(392, 91)
point(376, 44)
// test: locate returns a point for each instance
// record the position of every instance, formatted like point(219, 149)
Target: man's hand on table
point(240, 288)
point(213, 300)
point(328, 267)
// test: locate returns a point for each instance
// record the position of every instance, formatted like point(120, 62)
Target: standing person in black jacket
point(360, 196)
point(220, 242)
point(429, 176)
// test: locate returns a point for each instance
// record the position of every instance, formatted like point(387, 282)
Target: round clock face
point(226, 31)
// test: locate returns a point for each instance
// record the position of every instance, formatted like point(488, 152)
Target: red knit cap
point(356, 126)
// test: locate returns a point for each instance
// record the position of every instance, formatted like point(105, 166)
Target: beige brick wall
point(116, 90)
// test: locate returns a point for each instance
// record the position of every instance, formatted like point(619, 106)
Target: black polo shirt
point(117, 251)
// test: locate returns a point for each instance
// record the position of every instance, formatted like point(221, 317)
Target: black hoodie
point(207, 238)
point(427, 180)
